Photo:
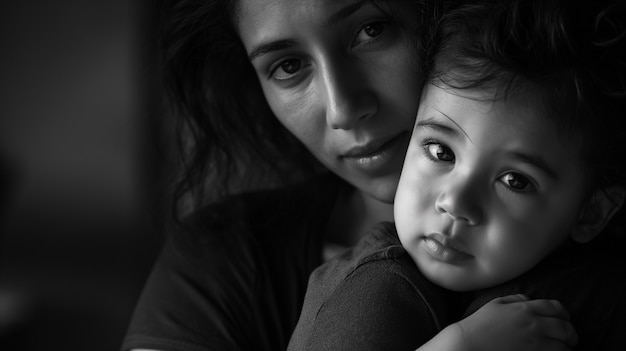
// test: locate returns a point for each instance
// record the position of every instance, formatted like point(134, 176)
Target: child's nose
point(460, 199)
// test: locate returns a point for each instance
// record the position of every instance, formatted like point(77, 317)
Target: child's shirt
point(372, 297)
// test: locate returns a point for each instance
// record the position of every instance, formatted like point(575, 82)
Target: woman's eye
point(517, 182)
point(373, 30)
point(287, 69)
point(370, 32)
point(439, 152)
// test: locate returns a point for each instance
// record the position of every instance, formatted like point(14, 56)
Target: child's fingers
point(556, 323)
point(548, 308)
point(554, 345)
point(542, 307)
point(560, 330)
point(512, 298)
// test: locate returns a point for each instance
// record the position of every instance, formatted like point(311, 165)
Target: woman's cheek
point(282, 107)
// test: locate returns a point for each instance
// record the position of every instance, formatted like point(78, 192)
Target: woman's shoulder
point(271, 205)
point(222, 263)
point(282, 216)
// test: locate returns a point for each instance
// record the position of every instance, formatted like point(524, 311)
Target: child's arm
point(509, 323)
point(384, 305)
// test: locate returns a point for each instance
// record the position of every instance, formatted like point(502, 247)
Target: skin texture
point(346, 86)
point(488, 188)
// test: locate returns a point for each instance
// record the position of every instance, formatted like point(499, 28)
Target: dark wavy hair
point(572, 51)
point(227, 139)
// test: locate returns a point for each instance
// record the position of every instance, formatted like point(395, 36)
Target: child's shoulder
point(377, 259)
point(374, 281)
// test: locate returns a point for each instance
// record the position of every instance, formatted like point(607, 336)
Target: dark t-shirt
point(372, 297)
point(236, 278)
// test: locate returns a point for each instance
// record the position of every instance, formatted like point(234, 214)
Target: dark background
point(77, 171)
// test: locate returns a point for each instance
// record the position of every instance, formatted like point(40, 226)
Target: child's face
point(488, 189)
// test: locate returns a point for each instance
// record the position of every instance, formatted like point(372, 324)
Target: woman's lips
point(444, 249)
point(377, 154)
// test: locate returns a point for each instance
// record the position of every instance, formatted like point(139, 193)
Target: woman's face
point(342, 77)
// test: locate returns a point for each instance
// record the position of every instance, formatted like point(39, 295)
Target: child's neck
point(354, 213)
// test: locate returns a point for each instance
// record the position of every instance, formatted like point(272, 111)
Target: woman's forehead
point(261, 21)
point(292, 9)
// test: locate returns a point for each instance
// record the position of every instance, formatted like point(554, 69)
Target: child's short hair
point(572, 51)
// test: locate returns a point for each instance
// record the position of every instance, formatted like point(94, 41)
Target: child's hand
point(515, 322)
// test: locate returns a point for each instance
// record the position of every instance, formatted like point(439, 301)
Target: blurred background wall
point(76, 171)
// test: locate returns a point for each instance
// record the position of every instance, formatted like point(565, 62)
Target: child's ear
point(597, 212)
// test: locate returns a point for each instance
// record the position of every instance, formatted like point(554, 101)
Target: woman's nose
point(461, 200)
point(349, 97)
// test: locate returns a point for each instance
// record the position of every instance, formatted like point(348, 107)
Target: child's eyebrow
point(535, 161)
point(428, 124)
point(432, 123)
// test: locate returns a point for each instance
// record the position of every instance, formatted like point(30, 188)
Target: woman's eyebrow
point(277, 45)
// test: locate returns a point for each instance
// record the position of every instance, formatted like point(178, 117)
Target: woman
point(341, 77)
point(261, 85)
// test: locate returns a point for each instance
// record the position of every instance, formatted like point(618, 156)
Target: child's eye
point(439, 152)
point(370, 32)
point(517, 182)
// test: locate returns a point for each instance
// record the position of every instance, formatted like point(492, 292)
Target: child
point(516, 159)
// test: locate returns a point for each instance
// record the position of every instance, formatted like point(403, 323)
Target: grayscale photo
point(311, 175)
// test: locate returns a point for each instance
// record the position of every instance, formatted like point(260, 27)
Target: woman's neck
point(354, 213)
